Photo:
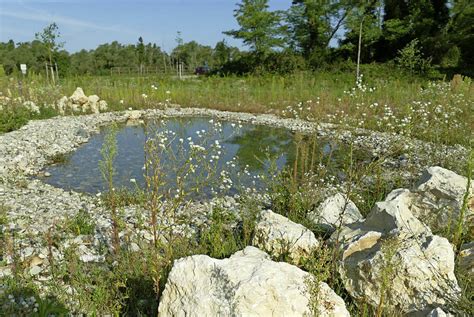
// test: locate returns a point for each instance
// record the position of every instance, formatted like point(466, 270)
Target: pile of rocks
point(391, 259)
point(79, 102)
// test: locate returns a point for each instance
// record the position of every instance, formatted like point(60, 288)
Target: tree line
point(417, 35)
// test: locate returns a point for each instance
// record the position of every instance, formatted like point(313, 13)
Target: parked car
point(202, 70)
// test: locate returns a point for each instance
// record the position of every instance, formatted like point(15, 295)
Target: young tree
point(49, 36)
point(140, 53)
point(260, 29)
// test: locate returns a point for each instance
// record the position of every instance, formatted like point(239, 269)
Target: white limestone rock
point(438, 312)
point(392, 246)
point(78, 97)
point(335, 211)
point(439, 197)
point(93, 102)
point(280, 236)
point(246, 284)
point(62, 105)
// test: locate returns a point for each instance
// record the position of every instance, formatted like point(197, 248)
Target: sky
point(84, 24)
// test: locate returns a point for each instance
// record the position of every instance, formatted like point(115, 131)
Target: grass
point(81, 224)
point(387, 100)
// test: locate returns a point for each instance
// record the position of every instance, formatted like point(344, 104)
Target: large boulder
point(93, 102)
point(393, 257)
point(438, 198)
point(282, 237)
point(246, 284)
point(334, 212)
point(78, 97)
point(61, 105)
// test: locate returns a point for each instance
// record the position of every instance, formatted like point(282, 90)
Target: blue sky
point(88, 23)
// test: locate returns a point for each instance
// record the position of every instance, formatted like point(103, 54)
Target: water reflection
point(248, 147)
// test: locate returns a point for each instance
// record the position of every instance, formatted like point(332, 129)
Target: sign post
point(23, 69)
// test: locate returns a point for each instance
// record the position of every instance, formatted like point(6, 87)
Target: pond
point(237, 154)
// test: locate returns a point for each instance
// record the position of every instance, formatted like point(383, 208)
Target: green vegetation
point(390, 102)
point(81, 224)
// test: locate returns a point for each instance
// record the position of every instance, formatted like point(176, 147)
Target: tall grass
point(386, 100)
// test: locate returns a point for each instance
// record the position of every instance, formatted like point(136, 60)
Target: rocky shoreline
point(25, 152)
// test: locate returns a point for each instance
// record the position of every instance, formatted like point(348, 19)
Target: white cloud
point(33, 14)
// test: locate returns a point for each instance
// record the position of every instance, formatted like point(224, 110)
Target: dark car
point(202, 70)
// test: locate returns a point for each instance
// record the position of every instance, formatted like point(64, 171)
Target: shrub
point(411, 59)
point(81, 223)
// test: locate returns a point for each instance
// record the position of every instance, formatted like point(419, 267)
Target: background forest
point(428, 37)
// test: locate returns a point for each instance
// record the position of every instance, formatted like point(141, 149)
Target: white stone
point(93, 98)
point(78, 97)
point(391, 238)
point(93, 101)
point(61, 105)
point(35, 270)
point(103, 106)
point(85, 107)
point(439, 196)
point(134, 114)
point(335, 211)
point(280, 236)
point(246, 284)
point(438, 312)
point(394, 214)
point(74, 107)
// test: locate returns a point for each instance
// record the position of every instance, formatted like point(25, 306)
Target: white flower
point(133, 180)
point(168, 92)
point(121, 101)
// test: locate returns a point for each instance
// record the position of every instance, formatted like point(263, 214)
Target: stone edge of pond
point(26, 151)
point(33, 206)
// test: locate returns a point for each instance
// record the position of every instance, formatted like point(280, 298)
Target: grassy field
point(385, 99)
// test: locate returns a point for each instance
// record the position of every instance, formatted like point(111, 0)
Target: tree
point(313, 24)
point(49, 36)
point(404, 21)
point(192, 54)
point(460, 30)
point(364, 30)
point(260, 29)
point(141, 53)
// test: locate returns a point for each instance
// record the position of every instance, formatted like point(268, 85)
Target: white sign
point(23, 68)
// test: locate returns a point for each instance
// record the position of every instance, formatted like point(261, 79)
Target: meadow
point(385, 99)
